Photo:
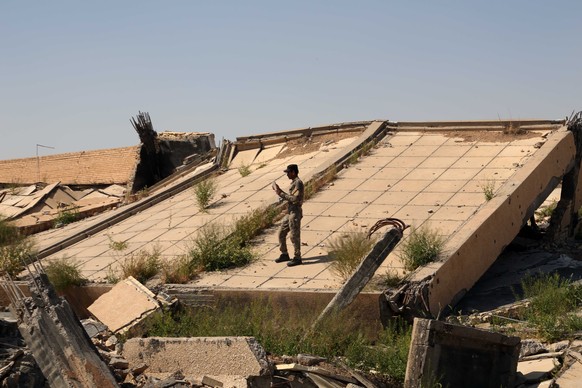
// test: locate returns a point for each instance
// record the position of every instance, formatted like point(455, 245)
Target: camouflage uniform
point(292, 220)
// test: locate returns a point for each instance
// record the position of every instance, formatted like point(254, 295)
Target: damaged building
point(374, 176)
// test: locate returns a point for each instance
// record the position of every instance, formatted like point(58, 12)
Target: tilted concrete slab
point(474, 247)
point(124, 305)
point(195, 357)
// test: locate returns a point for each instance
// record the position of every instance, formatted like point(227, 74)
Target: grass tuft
point(553, 302)
point(15, 249)
point(63, 273)
point(66, 216)
point(488, 190)
point(244, 170)
point(422, 247)
point(212, 249)
point(142, 265)
point(347, 251)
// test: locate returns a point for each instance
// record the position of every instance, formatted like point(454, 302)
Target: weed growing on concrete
point(253, 223)
point(179, 270)
point(15, 249)
point(63, 273)
point(422, 247)
point(389, 279)
point(214, 249)
point(117, 246)
point(262, 165)
point(204, 191)
point(142, 265)
point(347, 251)
point(244, 170)
point(553, 301)
point(316, 184)
point(489, 190)
point(546, 211)
point(280, 331)
point(66, 216)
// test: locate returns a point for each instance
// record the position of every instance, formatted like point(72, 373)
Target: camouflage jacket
point(295, 197)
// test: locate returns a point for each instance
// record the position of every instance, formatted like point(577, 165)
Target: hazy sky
point(72, 73)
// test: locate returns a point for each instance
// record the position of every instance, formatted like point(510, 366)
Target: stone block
point(214, 357)
point(459, 356)
point(126, 304)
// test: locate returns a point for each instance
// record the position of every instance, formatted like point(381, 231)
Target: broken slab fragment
point(460, 356)
point(215, 357)
point(125, 305)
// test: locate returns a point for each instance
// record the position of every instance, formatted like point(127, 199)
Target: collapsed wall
point(60, 345)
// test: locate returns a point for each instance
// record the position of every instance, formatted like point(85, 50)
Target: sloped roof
point(106, 166)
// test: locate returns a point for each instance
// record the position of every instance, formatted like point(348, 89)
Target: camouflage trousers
point(291, 223)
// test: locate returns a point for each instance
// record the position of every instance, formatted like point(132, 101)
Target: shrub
point(244, 170)
point(251, 224)
point(553, 301)
point(212, 250)
point(142, 265)
point(546, 211)
point(63, 273)
point(179, 270)
point(347, 251)
point(204, 192)
point(488, 190)
point(15, 249)
point(422, 247)
point(117, 245)
point(66, 216)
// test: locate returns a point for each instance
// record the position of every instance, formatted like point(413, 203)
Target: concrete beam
point(216, 357)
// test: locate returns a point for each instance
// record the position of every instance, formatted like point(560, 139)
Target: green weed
point(179, 270)
point(488, 190)
point(553, 301)
point(117, 245)
point(142, 265)
point(422, 247)
point(347, 251)
point(204, 191)
point(244, 170)
point(15, 249)
point(281, 330)
point(213, 250)
point(546, 211)
point(63, 273)
point(66, 216)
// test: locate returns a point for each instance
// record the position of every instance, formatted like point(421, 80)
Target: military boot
point(294, 262)
point(282, 258)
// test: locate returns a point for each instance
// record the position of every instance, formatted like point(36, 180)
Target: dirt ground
point(306, 145)
point(491, 136)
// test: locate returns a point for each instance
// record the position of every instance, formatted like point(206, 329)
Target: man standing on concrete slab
point(292, 220)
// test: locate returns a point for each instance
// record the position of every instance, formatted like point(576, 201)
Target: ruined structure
point(51, 330)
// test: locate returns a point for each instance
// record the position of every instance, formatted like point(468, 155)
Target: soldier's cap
point(292, 167)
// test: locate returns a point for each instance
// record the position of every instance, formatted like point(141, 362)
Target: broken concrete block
point(558, 346)
point(571, 377)
point(125, 305)
point(309, 360)
point(459, 356)
point(530, 347)
point(214, 357)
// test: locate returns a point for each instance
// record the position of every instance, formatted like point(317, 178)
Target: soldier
point(292, 220)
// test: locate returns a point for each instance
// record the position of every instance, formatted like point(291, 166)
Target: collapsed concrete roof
point(429, 172)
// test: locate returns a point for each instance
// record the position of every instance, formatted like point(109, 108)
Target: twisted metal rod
point(398, 224)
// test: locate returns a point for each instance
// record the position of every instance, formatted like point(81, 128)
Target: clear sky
point(72, 73)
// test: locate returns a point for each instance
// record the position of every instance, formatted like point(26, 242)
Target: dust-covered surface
point(491, 136)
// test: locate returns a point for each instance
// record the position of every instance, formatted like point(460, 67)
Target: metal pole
point(38, 160)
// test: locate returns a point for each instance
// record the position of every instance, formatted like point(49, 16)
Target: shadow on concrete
point(316, 259)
